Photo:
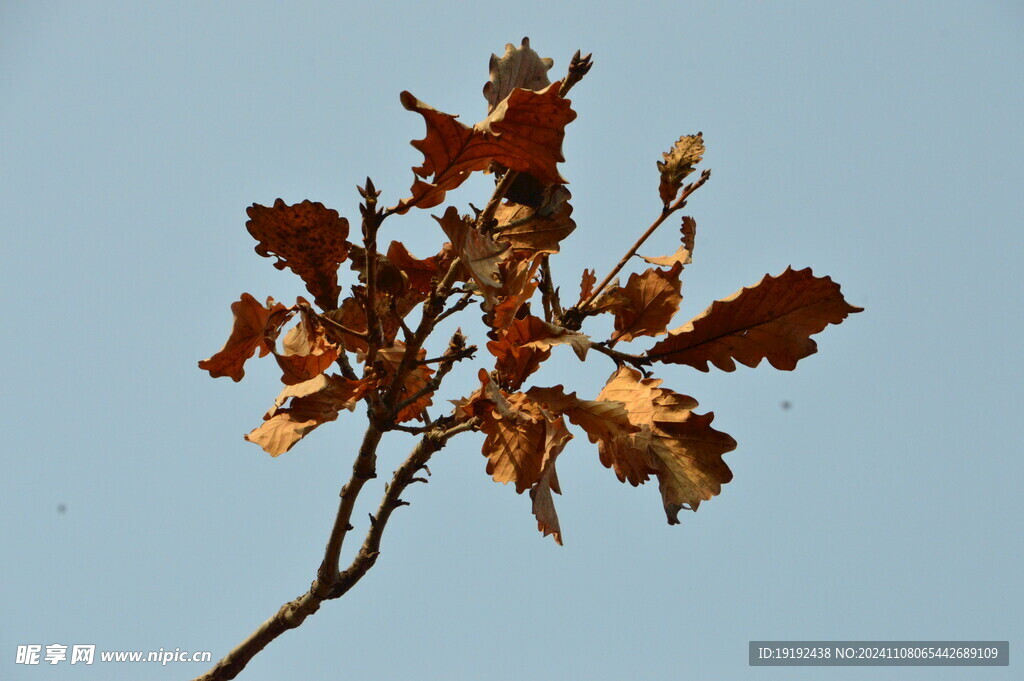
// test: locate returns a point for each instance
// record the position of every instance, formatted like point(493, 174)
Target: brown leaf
point(420, 273)
point(773, 319)
point(390, 359)
point(307, 352)
point(556, 437)
point(524, 132)
point(313, 403)
point(308, 238)
point(651, 299)
point(678, 446)
point(526, 343)
point(517, 287)
point(519, 67)
point(586, 286)
point(481, 254)
point(679, 162)
point(538, 230)
point(602, 420)
point(390, 279)
point(684, 254)
point(255, 326)
point(519, 435)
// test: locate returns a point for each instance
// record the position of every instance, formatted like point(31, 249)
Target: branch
point(639, 361)
point(578, 67)
point(292, 614)
point(372, 219)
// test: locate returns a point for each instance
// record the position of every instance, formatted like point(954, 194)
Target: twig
point(461, 304)
point(639, 361)
point(578, 67)
point(372, 219)
point(486, 217)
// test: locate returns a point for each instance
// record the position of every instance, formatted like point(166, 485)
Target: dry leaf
point(524, 132)
point(518, 286)
point(480, 253)
point(602, 420)
point(557, 436)
point(518, 437)
point(308, 238)
point(647, 303)
point(679, 162)
point(390, 359)
point(420, 273)
point(526, 343)
point(677, 445)
point(538, 230)
point(684, 254)
point(255, 326)
point(313, 402)
point(306, 351)
point(519, 67)
point(773, 319)
point(586, 286)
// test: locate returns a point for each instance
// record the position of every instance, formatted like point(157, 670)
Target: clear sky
point(879, 143)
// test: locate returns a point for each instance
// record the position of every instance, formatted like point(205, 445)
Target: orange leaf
point(255, 326)
point(519, 67)
point(524, 132)
point(773, 319)
point(586, 286)
point(313, 402)
point(420, 273)
point(308, 238)
point(556, 437)
point(538, 230)
point(307, 352)
point(480, 253)
point(517, 287)
point(648, 302)
point(390, 359)
point(678, 163)
point(678, 446)
point(526, 344)
point(603, 420)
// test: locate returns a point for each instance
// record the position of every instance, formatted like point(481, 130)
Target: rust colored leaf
point(678, 163)
point(255, 326)
point(773, 320)
point(675, 444)
point(587, 286)
point(481, 254)
point(556, 437)
point(518, 285)
point(390, 359)
point(390, 279)
point(308, 238)
point(519, 67)
point(684, 254)
point(602, 420)
point(313, 402)
point(420, 273)
point(538, 230)
point(524, 132)
point(649, 301)
point(526, 343)
point(306, 351)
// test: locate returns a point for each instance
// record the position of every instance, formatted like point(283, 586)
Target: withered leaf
point(649, 300)
point(684, 254)
point(480, 253)
point(518, 285)
point(538, 230)
point(526, 343)
point(675, 444)
point(308, 238)
point(313, 402)
point(306, 351)
point(524, 132)
point(773, 320)
point(255, 326)
point(420, 273)
point(602, 420)
point(390, 359)
point(587, 282)
point(678, 163)
point(519, 67)
point(389, 278)
point(557, 436)
point(518, 439)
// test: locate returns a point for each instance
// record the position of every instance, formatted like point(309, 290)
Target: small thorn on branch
point(401, 502)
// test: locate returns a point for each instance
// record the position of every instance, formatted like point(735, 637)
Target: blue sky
point(879, 143)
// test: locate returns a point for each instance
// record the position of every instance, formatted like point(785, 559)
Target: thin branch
point(639, 361)
point(460, 305)
point(486, 217)
point(372, 219)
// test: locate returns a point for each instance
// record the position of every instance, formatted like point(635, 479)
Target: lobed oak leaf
point(313, 403)
point(538, 230)
point(481, 254)
point(308, 238)
point(556, 437)
point(306, 350)
point(684, 254)
point(420, 273)
point(389, 279)
point(389, 360)
point(255, 326)
point(587, 282)
point(678, 163)
point(773, 320)
point(647, 303)
point(524, 132)
point(602, 420)
point(519, 67)
point(673, 443)
point(526, 343)
point(517, 287)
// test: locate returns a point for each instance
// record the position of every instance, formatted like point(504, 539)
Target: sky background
point(879, 143)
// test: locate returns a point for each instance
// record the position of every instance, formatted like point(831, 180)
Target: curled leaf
point(519, 67)
point(255, 326)
point(647, 303)
point(678, 163)
point(684, 254)
point(481, 254)
point(306, 351)
point(526, 343)
point(538, 230)
point(308, 238)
